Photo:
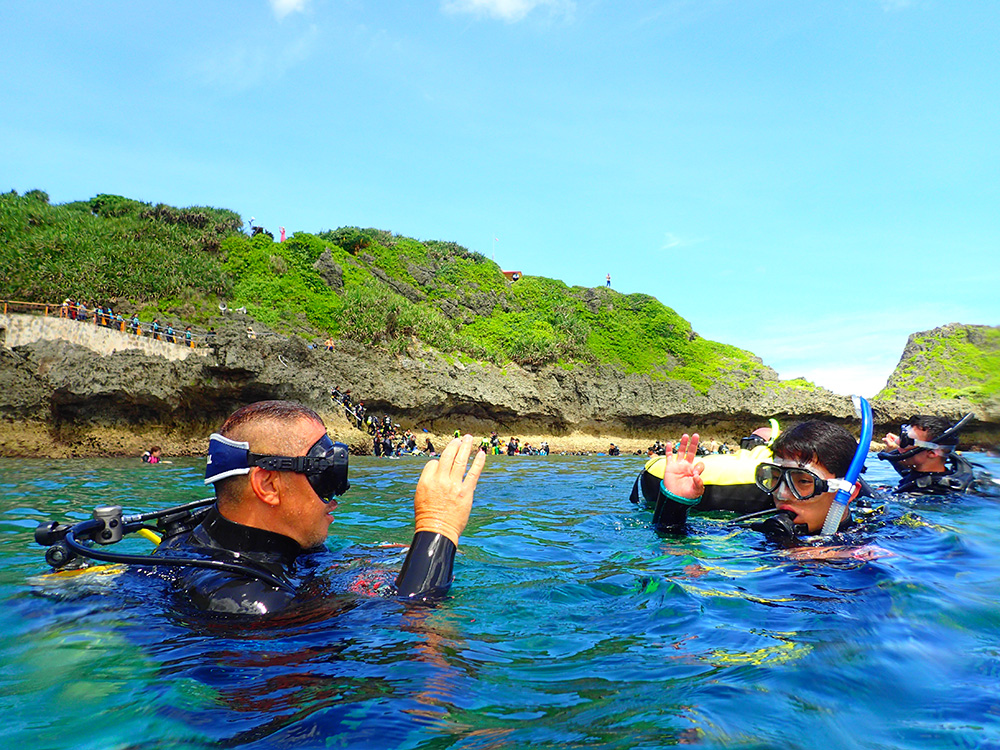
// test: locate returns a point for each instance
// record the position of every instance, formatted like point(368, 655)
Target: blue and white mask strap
point(226, 458)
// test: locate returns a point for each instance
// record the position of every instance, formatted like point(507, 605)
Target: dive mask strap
point(226, 458)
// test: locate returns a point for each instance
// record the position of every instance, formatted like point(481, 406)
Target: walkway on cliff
point(25, 322)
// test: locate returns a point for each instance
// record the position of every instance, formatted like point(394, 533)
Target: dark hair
point(267, 410)
point(935, 426)
point(828, 443)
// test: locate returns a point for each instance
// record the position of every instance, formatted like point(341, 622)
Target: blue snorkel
point(839, 505)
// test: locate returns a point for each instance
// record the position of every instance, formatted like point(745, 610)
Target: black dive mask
point(801, 482)
point(325, 467)
point(909, 445)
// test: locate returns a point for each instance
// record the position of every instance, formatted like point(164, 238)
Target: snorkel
point(839, 505)
point(775, 430)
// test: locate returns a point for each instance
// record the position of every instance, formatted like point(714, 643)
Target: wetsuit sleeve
point(670, 515)
point(427, 570)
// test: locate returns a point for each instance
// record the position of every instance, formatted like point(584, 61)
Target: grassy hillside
point(950, 362)
point(109, 248)
point(366, 285)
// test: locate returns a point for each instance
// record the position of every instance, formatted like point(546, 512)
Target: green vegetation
point(948, 363)
point(109, 247)
point(367, 285)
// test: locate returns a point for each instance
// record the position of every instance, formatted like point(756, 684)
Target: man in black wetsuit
point(923, 454)
point(808, 468)
point(266, 518)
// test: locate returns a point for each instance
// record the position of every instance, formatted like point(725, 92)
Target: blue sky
point(812, 181)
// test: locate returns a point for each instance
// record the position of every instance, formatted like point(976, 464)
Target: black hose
point(177, 562)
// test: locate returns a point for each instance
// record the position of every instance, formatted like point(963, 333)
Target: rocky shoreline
point(62, 398)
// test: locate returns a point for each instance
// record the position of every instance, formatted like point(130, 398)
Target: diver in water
point(809, 468)
point(729, 478)
point(276, 474)
point(923, 453)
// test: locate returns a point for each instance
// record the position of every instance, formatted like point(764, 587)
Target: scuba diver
point(728, 478)
point(276, 475)
point(809, 467)
point(923, 453)
point(812, 479)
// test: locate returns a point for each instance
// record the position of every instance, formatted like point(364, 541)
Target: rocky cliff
point(64, 398)
point(951, 370)
point(59, 397)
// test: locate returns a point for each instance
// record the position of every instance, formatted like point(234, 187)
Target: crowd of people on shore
point(659, 448)
point(107, 317)
point(495, 445)
point(389, 439)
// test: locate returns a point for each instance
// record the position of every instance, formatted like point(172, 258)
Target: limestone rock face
point(65, 382)
point(67, 385)
point(951, 371)
point(330, 271)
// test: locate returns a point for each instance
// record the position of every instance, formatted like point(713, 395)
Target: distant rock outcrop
point(951, 371)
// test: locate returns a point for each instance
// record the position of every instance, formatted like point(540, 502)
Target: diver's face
point(811, 512)
point(304, 516)
point(920, 458)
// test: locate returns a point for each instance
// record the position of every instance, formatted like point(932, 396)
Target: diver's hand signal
point(682, 474)
point(443, 499)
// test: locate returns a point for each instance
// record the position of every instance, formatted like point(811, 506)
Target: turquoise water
point(571, 624)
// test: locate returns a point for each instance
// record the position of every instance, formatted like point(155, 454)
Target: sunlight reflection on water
point(570, 623)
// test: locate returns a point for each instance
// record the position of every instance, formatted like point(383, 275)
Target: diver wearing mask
point(808, 468)
point(277, 475)
point(923, 453)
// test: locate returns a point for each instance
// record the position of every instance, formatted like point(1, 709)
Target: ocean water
point(571, 624)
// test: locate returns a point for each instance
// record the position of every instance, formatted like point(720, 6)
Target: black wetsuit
point(670, 517)
point(959, 477)
point(426, 573)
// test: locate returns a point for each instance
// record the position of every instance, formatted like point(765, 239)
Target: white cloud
point(247, 63)
point(282, 8)
point(845, 379)
point(847, 352)
point(671, 240)
point(506, 10)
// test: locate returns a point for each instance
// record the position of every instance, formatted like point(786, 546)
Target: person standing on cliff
point(924, 455)
point(277, 475)
point(608, 281)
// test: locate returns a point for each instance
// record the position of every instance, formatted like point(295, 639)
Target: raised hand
point(444, 493)
point(681, 474)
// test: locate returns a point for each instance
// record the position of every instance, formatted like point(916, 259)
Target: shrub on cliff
point(275, 281)
point(109, 248)
point(384, 289)
point(951, 362)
